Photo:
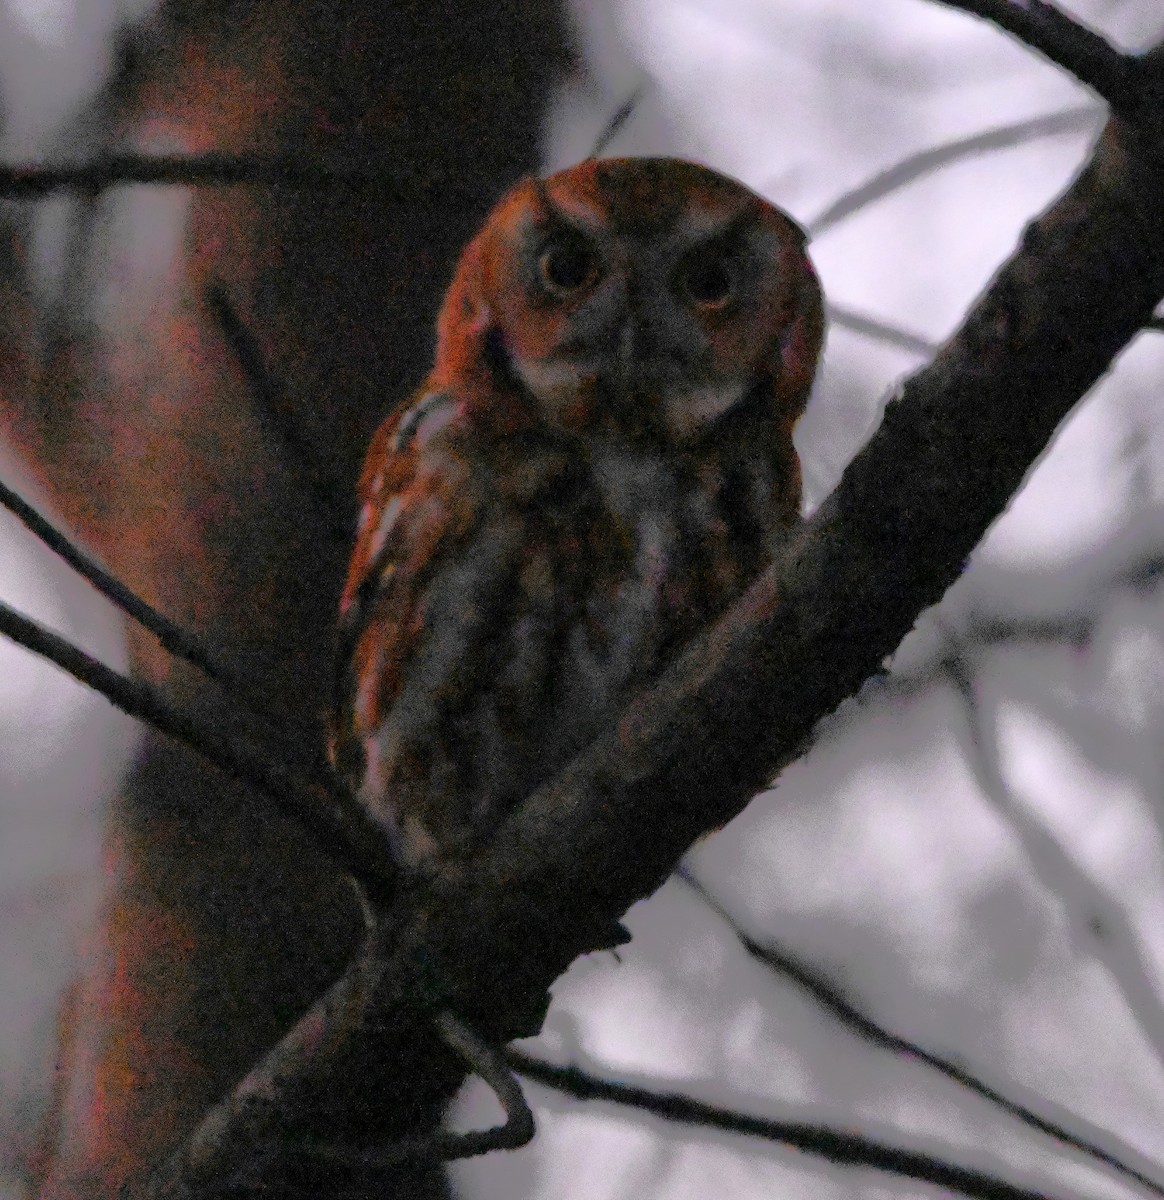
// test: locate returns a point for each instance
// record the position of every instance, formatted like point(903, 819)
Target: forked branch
point(1071, 45)
point(339, 827)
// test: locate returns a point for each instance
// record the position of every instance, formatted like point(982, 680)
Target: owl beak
point(644, 352)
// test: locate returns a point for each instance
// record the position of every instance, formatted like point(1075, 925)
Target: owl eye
point(567, 265)
point(707, 277)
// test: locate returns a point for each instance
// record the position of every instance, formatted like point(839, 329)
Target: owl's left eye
point(567, 265)
point(708, 277)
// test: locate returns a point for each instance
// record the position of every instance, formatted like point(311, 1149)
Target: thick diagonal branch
point(1068, 43)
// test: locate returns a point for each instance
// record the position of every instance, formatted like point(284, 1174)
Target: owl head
point(637, 295)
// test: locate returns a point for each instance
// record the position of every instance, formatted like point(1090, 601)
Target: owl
point(599, 463)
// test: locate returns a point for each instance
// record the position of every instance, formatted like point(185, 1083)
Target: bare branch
point(489, 1063)
point(617, 122)
point(916, 166)
point(178, 641)
point(243, 1134)
point(274, 411)
point(880, 331)
point(483, 1060)
point(1096, 919)
point(822, 1141)
point(1068, 44)
point(338, 825)
point(783, 963)
point(383, 173)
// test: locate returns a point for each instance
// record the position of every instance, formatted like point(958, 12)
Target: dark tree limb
point(1069, 44)
point(337, 824)
point(486, 937)
point(821, 1141)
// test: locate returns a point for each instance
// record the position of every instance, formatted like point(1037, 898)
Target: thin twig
point(180, 642)
point(925, 162)
point(1068, 44)
point(173, 638)
point(382, 172)
point(617, 122)
point(485, 1061)
point(274, 409)
point(488, 1062)
point(339, 827)
point(846, 1149)
point(830, 998)
point(1096, 920)
point(880, 331)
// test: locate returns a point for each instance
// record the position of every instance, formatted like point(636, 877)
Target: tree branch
point(925, 162)
point(618, 121)
point(339, 826)
point(486, 937)
point(1096, 919)
point(830, 998)
point(485, 1061)
point(382, 172)
point(1068, 44)
point(276, 415)
point(879, 331)
point(173, 637)
point(847, 1149)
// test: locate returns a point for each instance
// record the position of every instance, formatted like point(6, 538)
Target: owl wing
point(425, 593)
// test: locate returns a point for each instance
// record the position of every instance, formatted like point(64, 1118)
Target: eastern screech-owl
point(599, 463)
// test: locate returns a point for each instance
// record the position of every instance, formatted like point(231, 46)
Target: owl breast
point(592, 563)
point(598, 464)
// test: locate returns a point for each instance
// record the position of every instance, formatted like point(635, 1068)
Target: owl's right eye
point(567, 265)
